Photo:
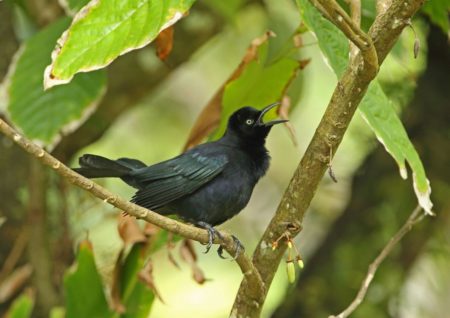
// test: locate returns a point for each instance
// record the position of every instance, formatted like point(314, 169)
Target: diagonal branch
point(329, 134)
point(415, 217)
point(187, 231)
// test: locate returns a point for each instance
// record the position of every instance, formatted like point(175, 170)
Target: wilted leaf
point(256, 82)
point(164, 43)
point(188, 254)
point(283, 113)
point(83, 287)
point(15, 282)
point(209, 118)
point(170, 246)
point(375, 107)
point(102, 31)
point(130, 294)
point(116, 302)
point(129, 230)
point(22, 306)
point(146, 276)
point(46, 116)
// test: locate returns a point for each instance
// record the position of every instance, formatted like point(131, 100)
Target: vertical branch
point(38, 247)
point(355, 13)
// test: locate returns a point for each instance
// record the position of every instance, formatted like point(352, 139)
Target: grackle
point(205, 186)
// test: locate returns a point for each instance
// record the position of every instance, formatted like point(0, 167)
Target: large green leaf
point(261, 83)
point(22, 306)
point(375, 107)
point(83, 287)
point(103, 30)
point(438, 11)
point(45, 115)
point(135, 295)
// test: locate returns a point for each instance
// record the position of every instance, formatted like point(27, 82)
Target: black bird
point(208, 184)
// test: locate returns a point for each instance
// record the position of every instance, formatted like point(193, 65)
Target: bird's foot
point(212, 233)
point(238, 248)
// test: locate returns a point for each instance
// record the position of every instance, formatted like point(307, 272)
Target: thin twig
point(332, 11)
point(132, 209)
point(14, 255)
point(355, 12)
point(415, 217)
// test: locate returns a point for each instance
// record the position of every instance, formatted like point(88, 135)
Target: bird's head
point(247, 122)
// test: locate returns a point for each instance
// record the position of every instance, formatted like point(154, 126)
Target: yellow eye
point(249, 122)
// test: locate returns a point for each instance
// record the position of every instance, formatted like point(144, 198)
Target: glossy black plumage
point(208, 184)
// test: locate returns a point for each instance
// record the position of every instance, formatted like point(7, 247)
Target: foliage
point(46, 116)
point(375, 107)
point(22, 306)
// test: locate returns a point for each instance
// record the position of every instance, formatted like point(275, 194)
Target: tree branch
point(303, 185)
point(415, 217)
point(355, 12)
point(332, 11)
point(250, 273)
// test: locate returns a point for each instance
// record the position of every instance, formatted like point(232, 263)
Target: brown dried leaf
point(129, 230)
point(164, 43)
point(146, 276)
point(14, 282)
point(150, 230)
point(209, 117)
point(283, 112)
point(188, 254)
point(170, 247)
point(116, 302)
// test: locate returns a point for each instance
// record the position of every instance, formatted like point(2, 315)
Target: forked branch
point(345, 99)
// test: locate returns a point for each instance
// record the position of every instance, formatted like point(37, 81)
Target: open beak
point(260, 121)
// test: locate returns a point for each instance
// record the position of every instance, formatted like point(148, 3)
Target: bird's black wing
point(175, 178)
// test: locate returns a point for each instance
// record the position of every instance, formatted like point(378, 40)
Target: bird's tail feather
point(93, 166)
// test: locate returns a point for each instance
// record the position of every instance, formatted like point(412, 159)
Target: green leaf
point(438, 11)
point(135, 295)
point(375, 107)
point(83, 287)
point(332, 42)
point(46, 115)
point(261, 83)
point(102, 31)
point(22, 306)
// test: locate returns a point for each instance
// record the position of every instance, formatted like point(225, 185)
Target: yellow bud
point(274, 246)
point(289, 244)
point(290, 268)
point(300, 263)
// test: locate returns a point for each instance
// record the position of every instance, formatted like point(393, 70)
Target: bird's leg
point(212, 232)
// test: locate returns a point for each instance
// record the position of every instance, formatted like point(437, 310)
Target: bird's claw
point(212, 233)
point(238, 248)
